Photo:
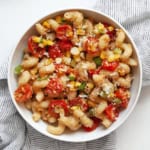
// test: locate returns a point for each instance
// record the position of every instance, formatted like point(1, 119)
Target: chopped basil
point(97, 60)
point(116, 101)
point(71, 78)
point(82, 86)
point(18, 69)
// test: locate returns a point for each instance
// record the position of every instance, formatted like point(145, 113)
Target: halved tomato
point(54, 51)
point(54, 87)
point(23, 93)
point(34, 49)
point(64, 32)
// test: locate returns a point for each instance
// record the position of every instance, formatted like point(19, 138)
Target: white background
point(17, 15)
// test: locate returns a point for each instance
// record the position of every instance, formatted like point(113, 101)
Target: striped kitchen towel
point(15, 134)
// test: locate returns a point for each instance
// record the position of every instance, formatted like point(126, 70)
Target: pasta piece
point(71, 95)
point(56, 130)
point(103, 41)
point(74, 16)
point(41, 30)
point(132, 62)
point(51, 36)
point(124, 82)
point(29, 62)
point(88, 26)
point(120, 37)
point(71, 122)
point(105, 121)
point(127, 48)
point(100, 108)
point(123, 69)
point(24, 78)
point(98, 78)
point(44, 104)
point(40, 84)
point(47, 69)
point(85, 120)
point(36, 116)
point(39, 96)
point(54, 25)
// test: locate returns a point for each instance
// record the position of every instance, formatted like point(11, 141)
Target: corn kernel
point(103, 55)
point(75, 107)
point(80, 32)
point(77, 84)
point(47, 42)
point(46, 24)
point(36, 39)
point(90, 85)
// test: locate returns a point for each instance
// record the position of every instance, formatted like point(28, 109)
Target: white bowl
point(78, 136)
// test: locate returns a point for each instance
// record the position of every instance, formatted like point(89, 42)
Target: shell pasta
point(75, 73)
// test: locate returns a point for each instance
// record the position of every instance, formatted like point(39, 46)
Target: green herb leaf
point(97, 60)
point(18, 69)
point(71, 78)
point(82, 86)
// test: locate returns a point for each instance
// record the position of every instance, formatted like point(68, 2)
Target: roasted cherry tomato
point(111, 112)
point(64, 32)
point(54, 88)
point(79, 102)
point(65, 45)
point(112, 34)
point(23, 93)
point(96, 123)
point(54, 51)
point(110, 66)
point(91, 45)
point(91, 72)
point(122, 94)
point(34, 49)
point(58, 104)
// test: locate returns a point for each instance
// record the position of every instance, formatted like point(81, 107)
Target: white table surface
point(17, 15)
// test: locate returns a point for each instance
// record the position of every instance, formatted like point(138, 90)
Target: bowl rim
point(139, 65)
